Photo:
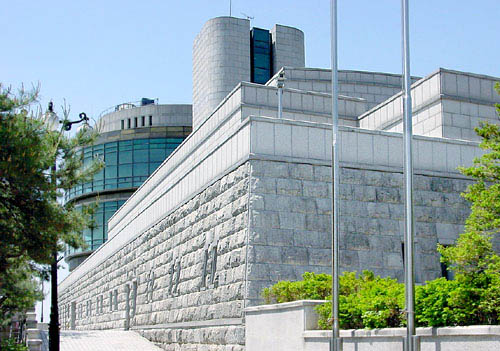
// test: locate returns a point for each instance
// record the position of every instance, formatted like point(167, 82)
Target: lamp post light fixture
point(52, 122)
point(66, 124)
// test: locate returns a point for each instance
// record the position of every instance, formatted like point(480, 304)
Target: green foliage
point(367, 301)
point(10, 344)
point(312, 287)
point(33, 222)
point(432, 306)
point(476, 298)
point(19, 290)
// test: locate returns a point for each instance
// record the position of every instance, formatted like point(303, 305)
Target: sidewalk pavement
point(104, 340)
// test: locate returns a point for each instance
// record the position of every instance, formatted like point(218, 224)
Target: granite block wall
point(184, 282)
point(290, 221)
point(181, 282)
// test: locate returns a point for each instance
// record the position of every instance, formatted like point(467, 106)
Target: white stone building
point(244, 201)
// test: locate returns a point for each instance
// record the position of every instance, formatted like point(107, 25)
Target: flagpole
point(336, 342)
point(408, 175)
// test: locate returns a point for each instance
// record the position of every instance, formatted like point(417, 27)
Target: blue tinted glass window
point(125, 157)
point(141, 155)
point(111, 171)
point(112, 145)
point(153, 166)
point(125, 170)
point(260, 51)
point(125, 144)
point(87, 234)
point(260, 34)
point(141, 169)
point(157, 155)
point(111, 158)
point(262, 61)
point(99, 175)
point(127, 164)
point(141, 142)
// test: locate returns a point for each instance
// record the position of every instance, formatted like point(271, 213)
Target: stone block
point(355, 242)
point(322, 174)
point(300, 144)
point(323, 205)
point(317, 222)
point(388, 195)
point(289, 220)
point(349, 260)
point(302, 172)
point(319, 257)
point(265, 254)
point(371, 259)
point(394, 260)
point(302, 205)
point(288, 186)
point(265, 219)
point(283, 139)
point(258, 271)
point(315, 189)
point(294, 255)
point(278, 170)
point(263, 185)
point(307, 238)
point(277, 203)
point(278, 272)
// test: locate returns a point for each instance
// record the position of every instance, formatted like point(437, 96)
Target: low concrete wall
point(291, 327)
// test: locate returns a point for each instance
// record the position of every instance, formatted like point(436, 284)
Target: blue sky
point(96, 54)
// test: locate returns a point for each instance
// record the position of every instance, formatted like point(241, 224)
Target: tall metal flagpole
point(336, 342)
point(408, 175)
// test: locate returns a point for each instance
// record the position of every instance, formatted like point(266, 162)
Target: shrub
point(312, 287)
point(432, 307)
point(367, 301)
point(10, 344)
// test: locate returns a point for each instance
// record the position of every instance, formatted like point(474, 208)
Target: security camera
point(281, 79)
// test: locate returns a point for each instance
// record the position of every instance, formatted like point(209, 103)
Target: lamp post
point(53, 121)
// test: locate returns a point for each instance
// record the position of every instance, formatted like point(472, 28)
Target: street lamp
point(52, 122)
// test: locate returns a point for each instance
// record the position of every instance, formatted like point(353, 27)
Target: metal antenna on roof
point(230, 7)
point(247, 16)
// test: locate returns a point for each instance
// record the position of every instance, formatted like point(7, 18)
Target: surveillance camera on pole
point(281, 85)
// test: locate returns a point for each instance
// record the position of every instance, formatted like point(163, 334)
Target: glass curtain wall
point(260, 55)
point(98, 233)
point(128, 163)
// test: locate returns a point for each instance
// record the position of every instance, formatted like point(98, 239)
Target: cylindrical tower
point(133, 142)
point(221, 59)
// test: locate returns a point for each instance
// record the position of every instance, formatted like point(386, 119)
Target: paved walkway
point(104, 340)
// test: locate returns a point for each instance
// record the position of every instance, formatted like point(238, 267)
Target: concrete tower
point(221, 59)
point(226, 52)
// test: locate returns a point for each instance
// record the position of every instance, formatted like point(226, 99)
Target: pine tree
point(34, 222)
